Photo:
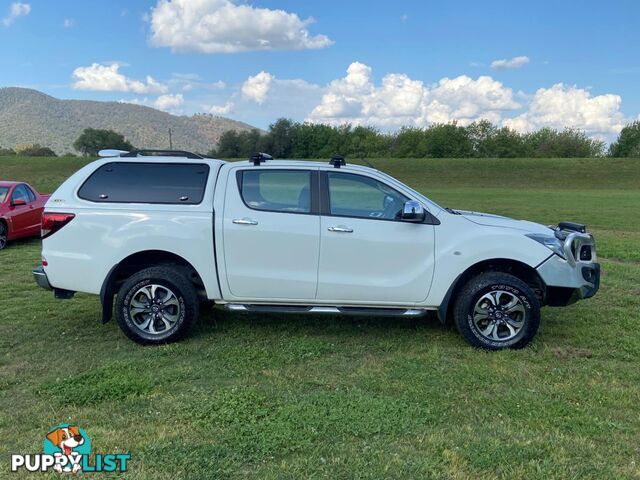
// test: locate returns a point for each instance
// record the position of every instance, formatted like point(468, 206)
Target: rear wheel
point(497, 311)
point(3, 235)
point(157, 305)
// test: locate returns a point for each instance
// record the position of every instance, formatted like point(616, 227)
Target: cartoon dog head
point(66, 438)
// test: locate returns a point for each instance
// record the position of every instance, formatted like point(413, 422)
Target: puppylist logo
point(67, 449)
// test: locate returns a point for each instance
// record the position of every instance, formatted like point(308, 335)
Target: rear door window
point(276, 190)
point(165, 183)
point(31, 195)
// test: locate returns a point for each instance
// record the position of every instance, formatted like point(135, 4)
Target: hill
point(29, 116)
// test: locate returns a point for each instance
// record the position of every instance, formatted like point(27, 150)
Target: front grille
point(585, 253)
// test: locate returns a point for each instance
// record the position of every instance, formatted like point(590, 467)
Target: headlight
point(549, 241)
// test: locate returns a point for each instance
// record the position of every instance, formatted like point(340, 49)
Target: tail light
point(52, 222)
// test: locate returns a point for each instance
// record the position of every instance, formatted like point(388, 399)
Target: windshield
point(3, 193)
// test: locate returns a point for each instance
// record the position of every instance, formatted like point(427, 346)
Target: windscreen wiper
point(452, 211)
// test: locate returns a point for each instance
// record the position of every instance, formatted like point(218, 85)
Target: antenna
point(369, 164)
point(170, 141)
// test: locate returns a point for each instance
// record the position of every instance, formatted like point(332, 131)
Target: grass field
point(329, 397)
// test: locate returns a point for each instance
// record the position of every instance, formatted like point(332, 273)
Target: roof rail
point(259, 157)
point(337, 161)
point(161, 153)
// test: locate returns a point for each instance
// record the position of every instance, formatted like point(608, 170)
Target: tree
point(409, 142)
point(34, 150)
point(628, 142)
point(92, 140)
point(448, 140)
point(551, 143)
point(481, 134)
point(229, 145)
point(281, 136)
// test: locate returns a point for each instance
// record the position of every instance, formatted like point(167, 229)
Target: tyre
point(3, 235)
point(497, 311)
point(157, 305)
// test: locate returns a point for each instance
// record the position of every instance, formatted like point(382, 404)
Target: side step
point(383, 312)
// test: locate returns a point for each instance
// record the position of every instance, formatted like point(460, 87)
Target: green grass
point(299, 397)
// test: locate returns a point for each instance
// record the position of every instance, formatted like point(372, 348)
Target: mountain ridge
point(29, 116)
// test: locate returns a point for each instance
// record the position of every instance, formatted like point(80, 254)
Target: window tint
point(3, 193)
point(32, 196)
point(277, 190)
point(358, 196)
point(147, 183)
point(20, 193)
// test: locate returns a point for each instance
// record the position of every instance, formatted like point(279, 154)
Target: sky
point(520, 64)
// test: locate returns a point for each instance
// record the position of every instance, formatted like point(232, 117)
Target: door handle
point(340, 229)
point(245, 221)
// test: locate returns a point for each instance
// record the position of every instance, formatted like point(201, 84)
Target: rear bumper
point(41, 279)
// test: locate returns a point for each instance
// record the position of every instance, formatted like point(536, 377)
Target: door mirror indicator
point(413, 211)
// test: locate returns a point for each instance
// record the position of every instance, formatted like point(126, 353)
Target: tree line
point(288, 139)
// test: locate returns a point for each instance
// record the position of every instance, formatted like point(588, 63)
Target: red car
point(20, 211)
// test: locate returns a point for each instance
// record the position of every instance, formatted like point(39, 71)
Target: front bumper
point(575, 278)
point(592, 273)
point(41, 279)
point(566, 284)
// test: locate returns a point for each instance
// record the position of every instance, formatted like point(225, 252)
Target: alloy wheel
point(154, 309)
point(499, 315)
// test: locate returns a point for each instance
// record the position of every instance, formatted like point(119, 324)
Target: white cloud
point(16, 10)
point(221, 26)
point(137, 101)
point(256, 88)
point(169, 102)
point(515, 62)
point(465, 100)
point(107, 78)
point(225, 109)
point(193, 81)
point(68, 23)
point(569, 106)
point(401, 101)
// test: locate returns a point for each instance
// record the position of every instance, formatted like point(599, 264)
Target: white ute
point(161, 231)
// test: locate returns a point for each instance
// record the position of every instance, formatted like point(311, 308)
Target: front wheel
point(497, 311)
point(157, 305)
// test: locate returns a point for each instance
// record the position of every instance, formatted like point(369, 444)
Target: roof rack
point(259, 157)
point(161, 153)
point(337, 161)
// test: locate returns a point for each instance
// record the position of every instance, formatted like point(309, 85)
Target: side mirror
point(413, 211)
point(18, 202)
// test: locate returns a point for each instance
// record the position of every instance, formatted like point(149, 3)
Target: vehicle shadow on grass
point(214, 320)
